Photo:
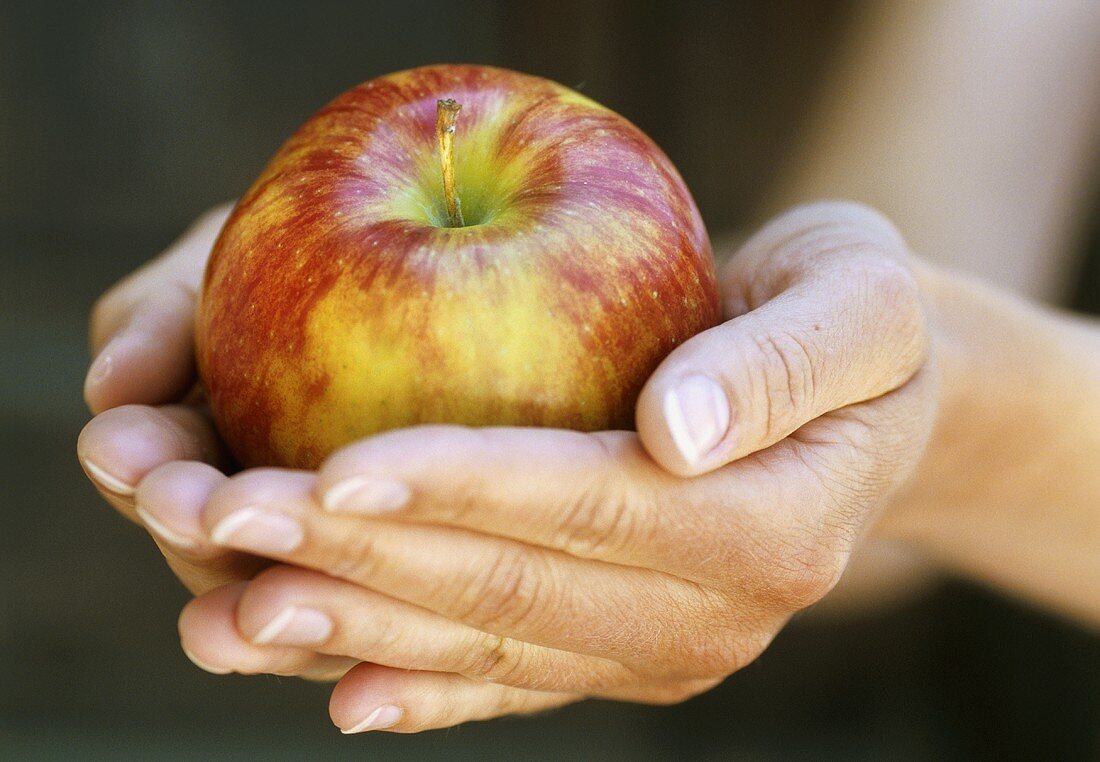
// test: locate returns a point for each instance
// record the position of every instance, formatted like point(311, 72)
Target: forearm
point(1009, 489)
point(972, 125)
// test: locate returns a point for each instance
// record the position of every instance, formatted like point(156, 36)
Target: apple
point(449, 244)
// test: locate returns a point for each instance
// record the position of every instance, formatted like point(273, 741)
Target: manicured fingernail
point(164, 531)
point(258, 531)
point(363, 494)
point(295, 626)
point(108, 481)
point(698, 415)
point(205, 667)
point(385, 716)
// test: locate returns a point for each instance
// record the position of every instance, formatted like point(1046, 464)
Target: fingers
point(142, 329)
point(150, 359)
point(145, 462)
point(831, 317)
point(290, 606)
point(874, 445)
point(371, 697)
point(169, 502)
point(209, 638)
point(586, 494)
point(274, 622)
point(119, 447)
point(596, 496)
point(491, 584)
point(846, 463)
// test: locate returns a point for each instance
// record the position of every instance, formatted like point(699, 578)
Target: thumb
point(832, 317)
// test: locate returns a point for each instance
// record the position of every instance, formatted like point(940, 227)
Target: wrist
point(1007, 489)
point(1013, 385)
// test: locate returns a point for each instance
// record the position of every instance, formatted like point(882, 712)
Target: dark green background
point(119, 122)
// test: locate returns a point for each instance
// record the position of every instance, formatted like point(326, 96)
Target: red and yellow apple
point(341, 299)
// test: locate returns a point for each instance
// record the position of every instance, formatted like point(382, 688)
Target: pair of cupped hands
point(443, 574)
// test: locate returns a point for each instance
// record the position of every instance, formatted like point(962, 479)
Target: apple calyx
point(445, 117)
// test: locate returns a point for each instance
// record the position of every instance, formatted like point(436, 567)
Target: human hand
point(483, 572)
point(140, 386)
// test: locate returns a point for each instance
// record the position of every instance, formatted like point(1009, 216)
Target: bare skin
point(994, 181)
point(855, 391)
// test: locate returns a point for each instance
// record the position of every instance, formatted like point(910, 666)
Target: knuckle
point(510, 593)
point(802, 570)
point(384, 640)
point(848, 478)
point(893, 289)
point(357, 557)
point(722, 643)
point(850, 222)
point(603, 516)
point(891, 285)
point(497, 659)
point(718, 655)
point(889, 277)
point(782, 378)
point(864, 472)
point(851, 475)
point(598, 522)
point(797, 561)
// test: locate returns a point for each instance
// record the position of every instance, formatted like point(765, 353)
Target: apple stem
point(445, 116)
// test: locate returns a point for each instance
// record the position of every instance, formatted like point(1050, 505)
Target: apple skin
point(336, 302)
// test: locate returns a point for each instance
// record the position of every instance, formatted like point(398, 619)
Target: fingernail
point(295, 626)
point(384, 716)
point(205, 667)
point(100, 369)
point(163, 530)
point(108, 481)
point(698, 416)
point(363, 494)
point(258, 531)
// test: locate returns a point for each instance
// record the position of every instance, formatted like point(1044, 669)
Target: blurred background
point(121, 121)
